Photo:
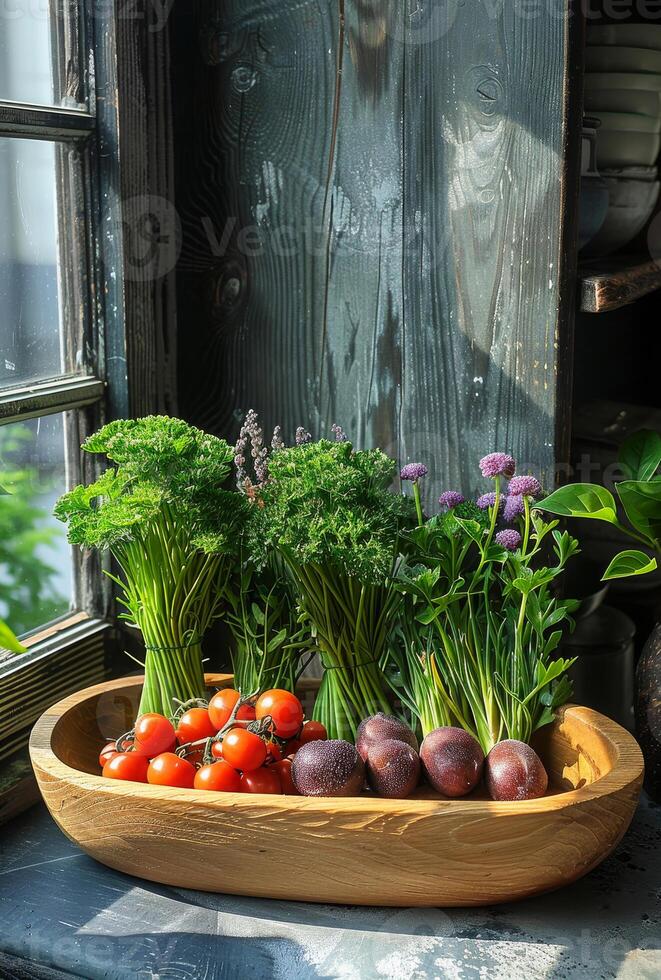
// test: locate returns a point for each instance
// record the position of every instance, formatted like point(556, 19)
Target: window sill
point(60, 659)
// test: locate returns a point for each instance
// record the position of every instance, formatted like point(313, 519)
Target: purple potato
point(514, 771)
point(380, 727)
point(453, 761)
point(393, 768)
point(328, 768)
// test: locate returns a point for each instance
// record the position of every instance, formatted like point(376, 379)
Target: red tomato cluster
point(252, 745)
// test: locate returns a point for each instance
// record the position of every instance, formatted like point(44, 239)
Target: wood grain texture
point(139, 228)
point(16, 968)
point(371, 203)
point(425, 851)
point(29, 683)
point(609, 284)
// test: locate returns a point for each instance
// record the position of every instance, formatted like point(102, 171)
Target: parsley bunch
point(166, 514)
point(330, 513)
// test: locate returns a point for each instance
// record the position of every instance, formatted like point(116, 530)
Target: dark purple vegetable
point(328, 768)
point(514, 771)
point(393, 768)
point(380, 727)
point(453, 761)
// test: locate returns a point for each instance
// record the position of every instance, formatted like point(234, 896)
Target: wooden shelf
point(608, 284)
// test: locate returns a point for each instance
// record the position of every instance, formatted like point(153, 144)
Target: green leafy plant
point(327, 510)
point(269, 641)
point(481, 622)
point(640, 498)
point(28, 594)
point(169, 519)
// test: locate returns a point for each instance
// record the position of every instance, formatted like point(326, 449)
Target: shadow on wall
point(371, 217)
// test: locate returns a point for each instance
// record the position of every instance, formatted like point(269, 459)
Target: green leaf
point(533, 612)
point(642, 503)
point(8, 641)
point(277, 640)
point(552, 642)
point(582, 500)
point(565, 546)
point(472, 529)
point(4, 492)
point(640, 455)
point(534, 580)
point(257, 613)
point(547, 716)
point(629, 563)
point(555, 616)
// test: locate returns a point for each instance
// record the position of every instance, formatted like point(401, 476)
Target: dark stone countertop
point(64, 915)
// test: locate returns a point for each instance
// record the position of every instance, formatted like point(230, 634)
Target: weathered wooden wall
point(371, 197)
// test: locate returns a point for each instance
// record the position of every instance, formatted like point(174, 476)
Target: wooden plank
point(45, 397)
point(138, 220)
point(31, 682)
point(44, 122)
point(149, 218)
point(372, 204)
point(609, 284)
point(16, 968)
point(569, 233)
point(18, 786)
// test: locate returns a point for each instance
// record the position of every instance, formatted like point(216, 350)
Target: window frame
point(124, 123)
point(86, 321)
point(79, 648)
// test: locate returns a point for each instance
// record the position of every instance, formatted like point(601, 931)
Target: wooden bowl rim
point(627, 769)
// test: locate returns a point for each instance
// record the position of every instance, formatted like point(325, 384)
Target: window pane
point(25, 57)
point(36, 581)
point(30, 336)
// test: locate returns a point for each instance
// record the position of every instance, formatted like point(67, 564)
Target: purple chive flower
point(338, 432)
point(514, 507)
point(302, 436)
point(508, 539)
point(413, 472)
point(450, 499)
point(497, 464)
point(486, 500)
point(524, 486)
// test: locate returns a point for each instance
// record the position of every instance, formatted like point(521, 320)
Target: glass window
point(35, 559)
point(30, 336)
point(25, 52)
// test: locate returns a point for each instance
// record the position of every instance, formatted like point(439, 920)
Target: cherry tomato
point(283, 769)
point(222, 705)
point(218, 776)
point(263, 780)
point(292, 747)
point(284, 708)
point(167, 769)
point(243, 750)
point(312, 731)
point(107, 753)
point(127, 765)
point(195, 724)
point(217, 750)
point(153, 734)
point(273, 750)
point(195, 755)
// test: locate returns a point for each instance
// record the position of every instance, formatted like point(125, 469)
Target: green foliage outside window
point(29, 596)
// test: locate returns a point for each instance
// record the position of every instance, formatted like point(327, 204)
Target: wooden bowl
point(425, 850)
